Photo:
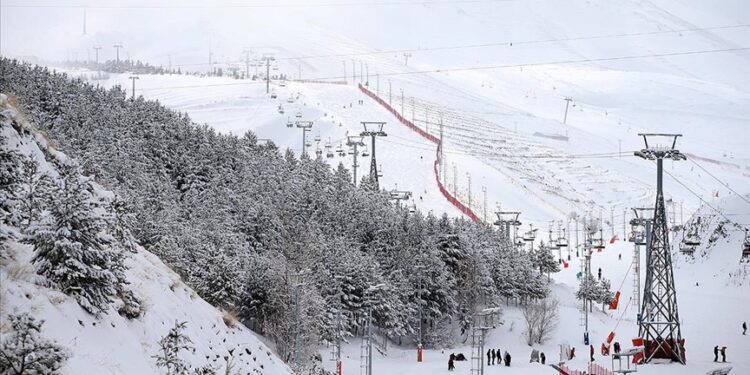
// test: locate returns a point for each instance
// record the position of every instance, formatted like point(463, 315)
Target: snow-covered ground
point(111, 343)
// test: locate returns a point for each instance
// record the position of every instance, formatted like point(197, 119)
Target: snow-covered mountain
point(110, 342)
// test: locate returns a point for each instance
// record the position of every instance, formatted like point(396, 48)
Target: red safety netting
point(453, 200)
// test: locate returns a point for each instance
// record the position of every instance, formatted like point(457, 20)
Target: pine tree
point(589, 289)
point(170, 347)
point(24, 351)
point(547, 262)
point(9, 180)
point(71, 250)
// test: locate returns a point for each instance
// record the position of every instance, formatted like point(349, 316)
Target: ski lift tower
point(660, 321)
point(306, 126)
point(373, 129)
point(354, 142)
point(640, 234)
point(506, 219)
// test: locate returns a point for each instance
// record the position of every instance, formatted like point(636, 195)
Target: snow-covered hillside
point(111, 343)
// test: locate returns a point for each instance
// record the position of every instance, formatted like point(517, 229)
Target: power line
point(701, 198)
point(256, 6)
point(500, 43)
point(720, 181)
point(516, 65)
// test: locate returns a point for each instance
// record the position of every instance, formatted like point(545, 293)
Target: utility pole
point(345, 76)
point(484, 192)
point(407, 55)
point(361, 72)
point(660, 321)
point(354, 72)
point(247, 62)
point(567, 103)
point(612, 220)
point(354, 142)
point(420, 271)
point(468, 177)
point(367, 70)
point(442, 150)
point(268, 58)
point(133, 78)
point(390, 93)
point(402, 102)
point(455, 181)
point(373, 129)
point(84, 21)
point(306, 126)
point(117, 47)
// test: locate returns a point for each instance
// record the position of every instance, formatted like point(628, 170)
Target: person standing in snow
point(451, 367)
point(716, 353)
point(600, 273)
point(499, 356)
point(591, 351)
point(572, 353)
point(542, 357)
point(507, 359)
point(488, 356)
point(744, 328)
point(723, 353)
point(493, 356)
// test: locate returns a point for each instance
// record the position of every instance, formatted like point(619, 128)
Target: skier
point(600, 273)
point(499, 356)
point(723, 353)
point(617, 347)
point(450, 362)
point(507, 359)
point(744, 328)
point(493, 356)
point(488, 356)
point(572, 353)
point(716, 353)
point(542, 357)
point(591, 351)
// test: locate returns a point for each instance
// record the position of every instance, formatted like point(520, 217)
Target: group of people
point(496, 355)
point(723, 351)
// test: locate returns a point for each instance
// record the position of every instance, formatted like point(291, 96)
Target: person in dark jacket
point(617, 347)
point(452, 358)
point(716, 353)
point(494, 357)
point(499, 355)
point(572, 353)
point(744, 328)
point(507, 359)
point(723, 353)
point(489, 356)
point(542, 357)
point(591, 351)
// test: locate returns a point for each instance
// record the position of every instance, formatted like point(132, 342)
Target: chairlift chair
point(299, 114)
point(290, 99)
point(289, 123)
point(317, 138)
point(746, 246)
point(273, 95)
point(318, 152)
point(562, 241)
point(282, 84)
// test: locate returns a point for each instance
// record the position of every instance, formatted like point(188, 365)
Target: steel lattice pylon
point(659, 323)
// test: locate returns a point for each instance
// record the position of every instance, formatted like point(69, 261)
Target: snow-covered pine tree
point(71, 250)
point(25, 351)
point(547, 262)
point(589, 289)
point(36, 188)
point(170, 347)
point(9, 181)
point(605, 296)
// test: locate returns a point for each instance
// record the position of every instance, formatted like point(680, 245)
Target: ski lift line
point(256, 6)
point(720, 181)
point(506, 66)
point(701, 198)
